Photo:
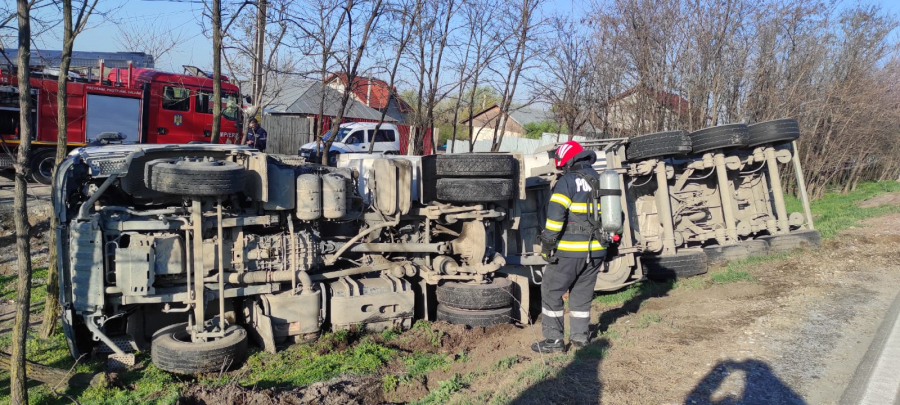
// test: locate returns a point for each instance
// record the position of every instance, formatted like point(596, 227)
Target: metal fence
point(286, 133)
point(511, 144)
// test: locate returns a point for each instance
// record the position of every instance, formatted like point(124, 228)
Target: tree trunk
point(18, 389)
point(217, 70)
point(48, 375)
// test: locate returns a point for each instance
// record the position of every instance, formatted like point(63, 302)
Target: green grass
point(642, 289)
point(646, 319)
point(835, 212)
point(38, 289)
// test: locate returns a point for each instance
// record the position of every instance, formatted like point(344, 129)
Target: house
point(303, 97)
point(642, 108)
point(373, 93)
point(484, 122)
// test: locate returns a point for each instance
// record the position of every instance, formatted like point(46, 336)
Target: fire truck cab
point(140, 105)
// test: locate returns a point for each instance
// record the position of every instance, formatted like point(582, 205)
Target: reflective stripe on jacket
point(570, 204)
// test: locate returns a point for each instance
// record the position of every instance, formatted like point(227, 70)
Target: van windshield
point(342, 133)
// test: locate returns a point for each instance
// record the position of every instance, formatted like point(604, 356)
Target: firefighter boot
point(549, 346)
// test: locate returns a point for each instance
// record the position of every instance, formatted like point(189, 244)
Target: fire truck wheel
point(497, 294)
point(793, 241)
point(488, 317)
point(774, 131)
point(669, 143)
point(194, 178)
point(679, 265)
point(42, 165)
point(720, 137)
point(475, 165)
point(172, 350)
point(475, 190)
point(739, 251)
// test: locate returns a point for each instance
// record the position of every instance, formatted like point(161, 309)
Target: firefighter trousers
point(578, 277)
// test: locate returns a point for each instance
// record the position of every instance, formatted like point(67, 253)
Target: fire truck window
point(176, 98)
point(124, 120)
point(229, 104)
point(385, 135)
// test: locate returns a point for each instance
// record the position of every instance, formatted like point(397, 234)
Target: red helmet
point(566, 151)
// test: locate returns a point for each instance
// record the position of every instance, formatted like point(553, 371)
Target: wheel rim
point(45, 167)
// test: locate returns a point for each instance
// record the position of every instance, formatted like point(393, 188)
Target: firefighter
point(574, 248)
point(256, 135)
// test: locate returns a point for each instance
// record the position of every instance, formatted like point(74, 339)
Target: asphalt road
point(877, 379)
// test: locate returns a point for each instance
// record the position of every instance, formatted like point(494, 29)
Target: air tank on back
point(309, 197)
point(610, 201)
point(334, 196)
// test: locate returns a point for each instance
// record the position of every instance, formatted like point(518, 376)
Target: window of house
point(176, 98)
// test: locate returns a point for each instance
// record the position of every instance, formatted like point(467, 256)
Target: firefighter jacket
point(567, 213)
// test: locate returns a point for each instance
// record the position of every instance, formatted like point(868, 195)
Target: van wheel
point(485, 318)
point(172, 350)
point(679, 265)
point(196, 178)
point(670, 143)
point(42, 164)
point(497, 294)
point(333, 158)
point(720, 137)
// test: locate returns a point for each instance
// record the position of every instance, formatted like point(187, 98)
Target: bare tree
point(153, 37)
point(71, 29)
point(217, 70)
point(18, 389)
point(565, 81)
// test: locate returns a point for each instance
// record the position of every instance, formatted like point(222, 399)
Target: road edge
point(856, 390)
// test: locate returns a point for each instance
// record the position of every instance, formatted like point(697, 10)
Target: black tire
point(173, 351)
point(670, 143)
point(490, 317)
point(720, 137)
point(42, 164)
point(475, 190)
point(475, 165)
point(793, 241)
point(782, 130)
point(497, 294)
point(739, 251)
point(194, 178)
point(679, 265)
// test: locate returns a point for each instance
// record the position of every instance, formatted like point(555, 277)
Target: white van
point(356, 137)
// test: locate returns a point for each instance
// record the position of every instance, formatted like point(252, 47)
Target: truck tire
point(782, 130)
point(194, 178)
point(679, 265)
point(720, 137)
point(669, 143)
point(739, 251)
point(485, 318)
point(172, 350)
point(475, 165)
point(497, 294)
point(793, 241)
point(42, 165)
point(475, 190)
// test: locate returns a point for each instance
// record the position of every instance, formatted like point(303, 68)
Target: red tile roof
point(671, 101)
point(373, 92)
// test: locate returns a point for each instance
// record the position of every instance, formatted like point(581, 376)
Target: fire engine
point(134, 105)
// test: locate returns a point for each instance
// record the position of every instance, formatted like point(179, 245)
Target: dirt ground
point(793, 335)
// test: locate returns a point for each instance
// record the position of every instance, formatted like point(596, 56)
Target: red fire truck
point(140, 105)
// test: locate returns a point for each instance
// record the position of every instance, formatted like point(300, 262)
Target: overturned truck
point(192, 250)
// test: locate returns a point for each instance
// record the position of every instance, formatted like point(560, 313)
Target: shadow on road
point(751, 382)
point(579, 382)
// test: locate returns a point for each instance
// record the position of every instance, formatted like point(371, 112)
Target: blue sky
point(184, 17)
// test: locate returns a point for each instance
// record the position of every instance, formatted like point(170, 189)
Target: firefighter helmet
point(566, 151)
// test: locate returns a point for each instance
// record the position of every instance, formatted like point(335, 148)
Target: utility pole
point(258, 64)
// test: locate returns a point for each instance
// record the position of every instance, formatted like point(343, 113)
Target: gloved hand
point(616, 237)
point(547, 251)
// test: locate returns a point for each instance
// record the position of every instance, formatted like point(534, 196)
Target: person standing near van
point(256, 135)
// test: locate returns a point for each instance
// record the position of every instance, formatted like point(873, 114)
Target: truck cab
point(356, 137)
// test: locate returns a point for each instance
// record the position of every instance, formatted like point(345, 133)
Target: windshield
point(342, 133)
point(230, 106)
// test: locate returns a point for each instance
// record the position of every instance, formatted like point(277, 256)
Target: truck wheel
point(497, 294)
point(739, 251)
point(786, 129)
point(793, 241)
point(475, 190)
point(475, 165)
point(679, 265)
point(42, 164)
point(194, 178)
point(669, 143)
point(489, 317)
point(721, 137)
point(172, 350)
